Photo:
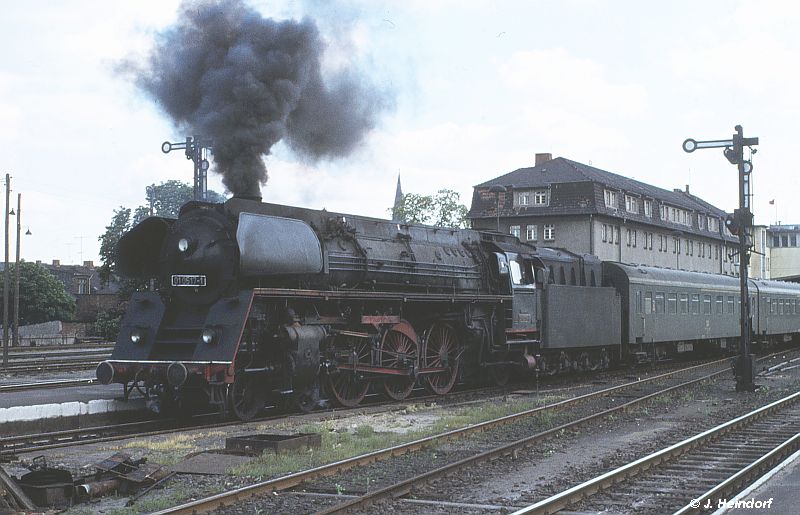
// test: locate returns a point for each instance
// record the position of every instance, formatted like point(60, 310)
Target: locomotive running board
point(377, 295)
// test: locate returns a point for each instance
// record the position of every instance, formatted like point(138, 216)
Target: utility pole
point(16, 272)
point(6, 278)
point(739, 224)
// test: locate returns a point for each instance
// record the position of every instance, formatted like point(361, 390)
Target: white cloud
point(556, 77)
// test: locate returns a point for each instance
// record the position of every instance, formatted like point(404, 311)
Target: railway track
point(697, 472)
point(66, 383)
point(10, 446)
point(52, 366)
point(493, 446)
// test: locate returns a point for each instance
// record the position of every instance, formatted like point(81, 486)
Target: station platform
point(777, 492)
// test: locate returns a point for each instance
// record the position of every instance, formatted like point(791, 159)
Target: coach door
point(641, 315)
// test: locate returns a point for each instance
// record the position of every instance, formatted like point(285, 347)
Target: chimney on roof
point(687, 189)
point(88, 264)
point(677, 190)
point(56, 262)
point(543, 158)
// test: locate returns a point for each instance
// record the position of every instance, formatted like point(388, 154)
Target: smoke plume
point(245, 82)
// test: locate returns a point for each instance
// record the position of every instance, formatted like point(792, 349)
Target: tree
point(42, 297)
point(120, 223)
point(441, 210)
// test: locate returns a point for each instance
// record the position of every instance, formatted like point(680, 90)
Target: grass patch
point(162, 500)
point(168, 451)
point(340, 445)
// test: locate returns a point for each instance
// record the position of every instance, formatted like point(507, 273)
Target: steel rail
point(749, 473)
point(11, 445)
point(54, 366)
point(66, 383)
point(562, 500)
point(232, 497)
point(404, 487)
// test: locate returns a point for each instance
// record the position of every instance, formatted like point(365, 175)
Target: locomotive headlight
point(183, 245)
point(209, 336)
point(137, 336)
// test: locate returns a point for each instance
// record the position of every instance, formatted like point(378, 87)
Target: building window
point(605, 232)
point(633, 233)
point(713, 224)
point(631, 204)
point(540, 197)
point(628, 237)
point(514, 230)
point(522, 198)
point(611, 199)
point(82, 287)
point(530, 233)
point(648, 208)
point(549, 232)
point(616, 235)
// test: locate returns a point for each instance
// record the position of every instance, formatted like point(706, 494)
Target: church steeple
point(398, 199)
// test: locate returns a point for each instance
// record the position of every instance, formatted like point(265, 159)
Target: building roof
point(573, 182)
point(561, 170)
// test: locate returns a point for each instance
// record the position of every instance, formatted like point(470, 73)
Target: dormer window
point(541, 197)
point(648, 208)
point(611, 199)
point(631, 204)
point(522, 198)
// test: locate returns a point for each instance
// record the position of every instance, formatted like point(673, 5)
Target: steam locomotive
point(262, 303)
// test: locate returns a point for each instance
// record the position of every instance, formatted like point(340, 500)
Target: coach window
point(551, 277)
point(592, 282)
point(706, 304)
point(695, 303)
point(638, 301)
point(672, 303)
point(720, 304)
point(561, 278)
point(572, 280)
point(648, 303)
point(659, 303)
point(780, 306)
point(684, 301)
point(730, 304)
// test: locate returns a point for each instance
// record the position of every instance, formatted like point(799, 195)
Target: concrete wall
point(784, 262)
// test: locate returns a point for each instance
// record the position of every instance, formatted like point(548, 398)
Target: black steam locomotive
point(268, 303)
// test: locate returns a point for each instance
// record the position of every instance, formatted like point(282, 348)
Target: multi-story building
point(565, 204)
point(783, 252)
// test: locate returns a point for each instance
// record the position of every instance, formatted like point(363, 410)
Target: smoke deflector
point(272, 245)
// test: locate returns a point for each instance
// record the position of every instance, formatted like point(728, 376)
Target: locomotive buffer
point(739, 224)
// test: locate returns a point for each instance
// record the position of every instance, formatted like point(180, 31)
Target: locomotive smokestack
point(246, 82)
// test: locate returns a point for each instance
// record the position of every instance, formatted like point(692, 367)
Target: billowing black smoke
point(245, 82)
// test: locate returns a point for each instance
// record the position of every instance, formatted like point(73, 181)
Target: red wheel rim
point(399, 351)
point(442, 350)
point(347, 387)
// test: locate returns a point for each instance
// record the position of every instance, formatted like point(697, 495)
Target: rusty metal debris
point(53, 487)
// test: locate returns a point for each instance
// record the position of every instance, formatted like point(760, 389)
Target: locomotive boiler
point(259, 302)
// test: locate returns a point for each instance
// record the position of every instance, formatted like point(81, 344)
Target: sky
point(477, 89)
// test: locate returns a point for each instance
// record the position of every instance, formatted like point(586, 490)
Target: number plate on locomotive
point(192, 281)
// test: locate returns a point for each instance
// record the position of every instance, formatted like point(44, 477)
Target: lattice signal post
point(739, 224)
point(197, 151)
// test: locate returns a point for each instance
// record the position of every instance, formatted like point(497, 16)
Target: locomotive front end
point(185, 335)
